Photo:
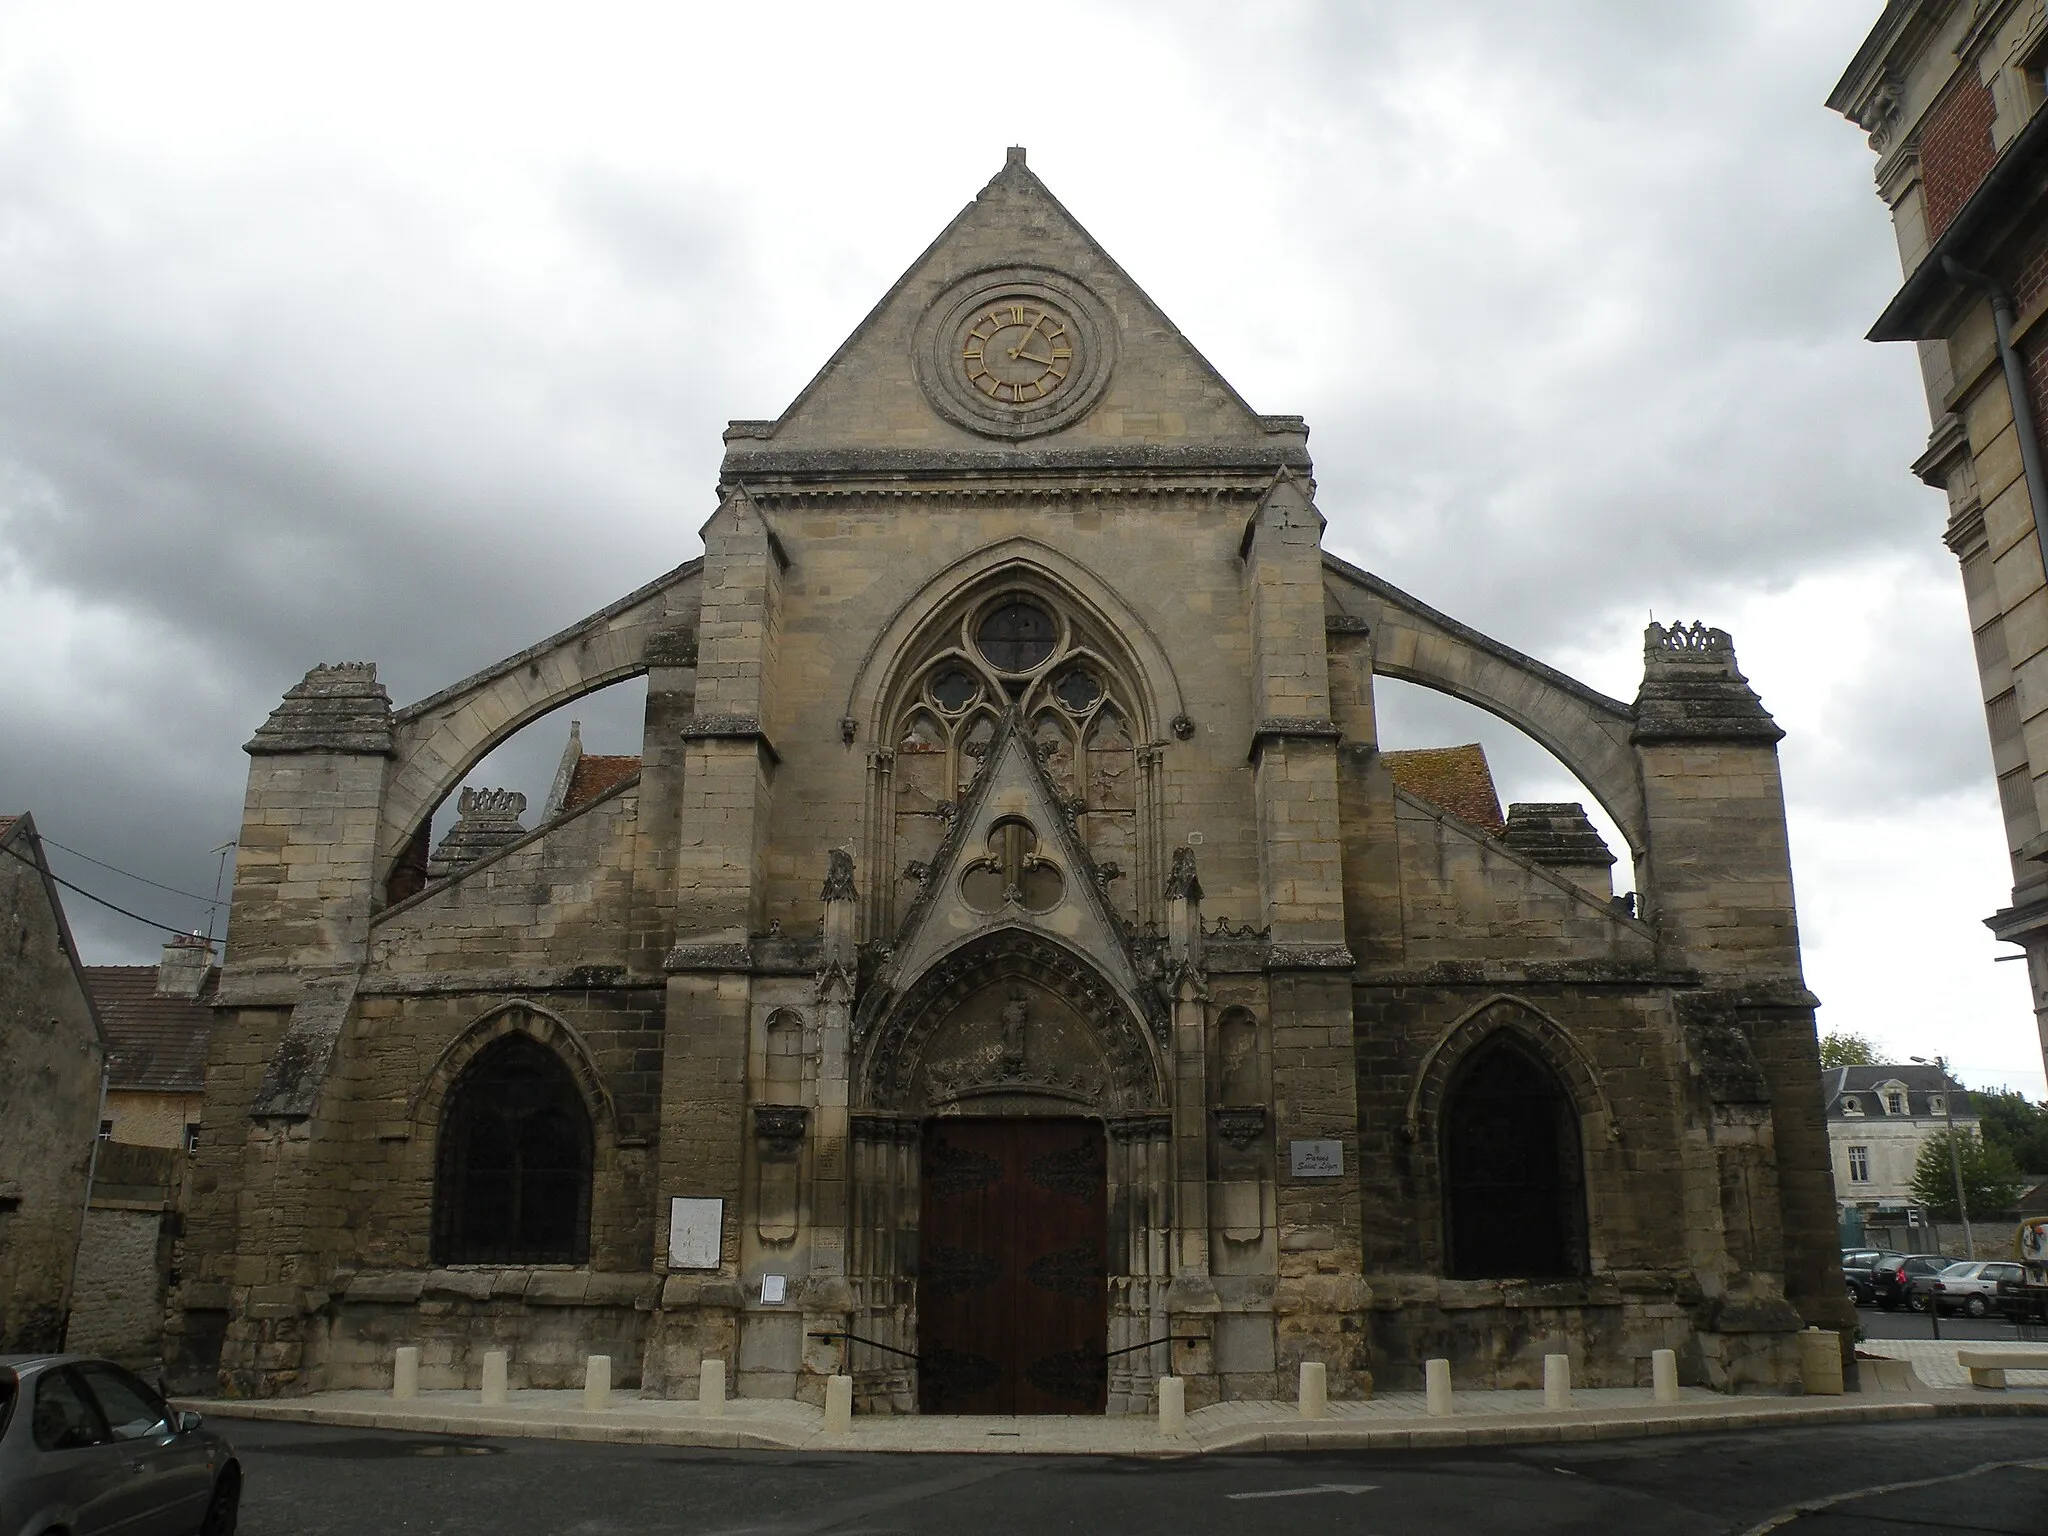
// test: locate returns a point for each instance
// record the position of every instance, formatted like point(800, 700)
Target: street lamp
point(1955, 1158)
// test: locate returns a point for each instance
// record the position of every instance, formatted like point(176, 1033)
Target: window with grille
point(512, 1170)
point(1514, 1189)
point(1859, 1165)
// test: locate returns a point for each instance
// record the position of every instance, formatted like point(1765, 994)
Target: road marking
point(1295, 1493)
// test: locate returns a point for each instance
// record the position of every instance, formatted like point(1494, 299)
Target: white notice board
point(694, 1227)
point(1316, 1159)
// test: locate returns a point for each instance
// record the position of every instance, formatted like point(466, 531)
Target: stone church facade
point(1010, 973)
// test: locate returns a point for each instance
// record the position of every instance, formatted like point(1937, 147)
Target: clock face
point(1017, 351)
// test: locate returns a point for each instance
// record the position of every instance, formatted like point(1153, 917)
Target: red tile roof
point(156, 1043)
point(595, 775)
point(1454, 779)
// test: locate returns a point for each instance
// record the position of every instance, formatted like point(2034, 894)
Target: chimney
point(182, 971)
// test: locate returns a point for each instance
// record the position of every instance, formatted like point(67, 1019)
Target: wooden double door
point(1012, 1281)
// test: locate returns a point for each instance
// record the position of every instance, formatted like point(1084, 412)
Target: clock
point(1014, 351)
point(1018, 351)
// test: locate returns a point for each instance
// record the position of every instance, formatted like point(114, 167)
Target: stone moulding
point(1291, 728)
point(709, 957)
point(1551, 1041)
point(781, 1127)
point(836, 463)
point(1308, 957)
point(728, 728)
point(1240, 1125)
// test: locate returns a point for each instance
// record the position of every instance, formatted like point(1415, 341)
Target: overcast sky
point(406, 333)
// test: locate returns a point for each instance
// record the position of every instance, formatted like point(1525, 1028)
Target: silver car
point(1972, 1287)
point(86, 1448)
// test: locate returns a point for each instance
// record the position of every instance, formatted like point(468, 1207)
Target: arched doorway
point(1514, 1185)
point(1009, 1191)
point(1012, 1299)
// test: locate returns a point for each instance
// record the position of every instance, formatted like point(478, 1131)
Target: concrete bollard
point(1172, 1405)
point(1314, 1395)
point(838, 1405)
point(597, 1382)
point(495, 1375)
point(1557, 1382)
point(1664, 1375)
point(1820, 1362)
point(1436, 1376)
point(405, 1373)
point(711, 1390)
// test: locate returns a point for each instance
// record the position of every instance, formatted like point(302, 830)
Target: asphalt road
point(1956, 1477)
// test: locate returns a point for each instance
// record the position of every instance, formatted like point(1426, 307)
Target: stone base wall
point(547, 1321)
point(1495, 1333)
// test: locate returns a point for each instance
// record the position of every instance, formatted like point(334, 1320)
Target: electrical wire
point(126, 874)
point(148, 922)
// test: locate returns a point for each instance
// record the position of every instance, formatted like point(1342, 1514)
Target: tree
point(1989, 1179)
point(2016, 1126)
point(1847, 1051)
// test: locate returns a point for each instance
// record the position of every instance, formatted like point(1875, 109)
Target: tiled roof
point(1454, 779)
point(6, 822)
point(1863, 1083)
point(153, 1042)
point(595, 775)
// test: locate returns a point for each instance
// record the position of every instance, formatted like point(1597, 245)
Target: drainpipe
point(2016, 390)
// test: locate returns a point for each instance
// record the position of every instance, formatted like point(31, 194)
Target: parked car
point(1971, 1286)
point(1895, 1279)
point(87, 1447)
point(1857, 1276)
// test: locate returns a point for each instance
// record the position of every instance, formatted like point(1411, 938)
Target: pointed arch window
point(1514, 1187)
point(1022, 647)
point(513, 1163)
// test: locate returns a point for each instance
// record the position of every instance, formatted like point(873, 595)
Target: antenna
point(219, 875)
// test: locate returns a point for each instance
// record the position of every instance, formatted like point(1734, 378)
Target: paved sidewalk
point(1392, 1421)
point(1934, 1362)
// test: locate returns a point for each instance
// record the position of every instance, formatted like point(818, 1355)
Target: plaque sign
point(694, 1229)
point(1315, 1159)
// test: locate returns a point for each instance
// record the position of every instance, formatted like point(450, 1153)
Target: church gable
point(1013, 861)
point(1014, 326)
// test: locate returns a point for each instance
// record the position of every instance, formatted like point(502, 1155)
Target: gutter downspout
point(92, 1170)
point(2016, 391)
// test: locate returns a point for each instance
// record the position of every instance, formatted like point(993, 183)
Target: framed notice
point(1316, 1159)
point(694, 1228)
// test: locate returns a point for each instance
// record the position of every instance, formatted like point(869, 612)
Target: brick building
point(1010, 948)
point(1950, 95)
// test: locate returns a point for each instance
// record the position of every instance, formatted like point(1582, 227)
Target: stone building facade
point(51, 1056)
point(1879, 1117)
point(1010, 971)
point(1950, 94)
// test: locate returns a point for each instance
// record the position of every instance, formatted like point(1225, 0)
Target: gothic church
point(1010, 972)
